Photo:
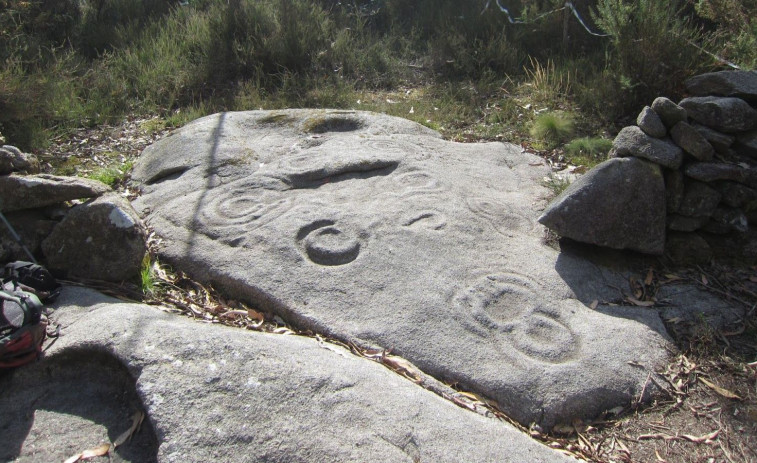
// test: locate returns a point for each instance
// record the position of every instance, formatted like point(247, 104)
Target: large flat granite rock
point(374, 230)
point(213, 393)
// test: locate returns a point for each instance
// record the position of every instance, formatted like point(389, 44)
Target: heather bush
point(651, 51)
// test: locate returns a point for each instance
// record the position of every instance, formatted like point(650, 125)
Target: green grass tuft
point(587, 151)
point(556, 184)
point(552, 128)
point(147, 276)
point(112, 176)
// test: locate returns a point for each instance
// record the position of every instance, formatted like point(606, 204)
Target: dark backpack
point(22, 326)
point(33, 276)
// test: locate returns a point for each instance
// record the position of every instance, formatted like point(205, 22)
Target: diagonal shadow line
point(212, 156)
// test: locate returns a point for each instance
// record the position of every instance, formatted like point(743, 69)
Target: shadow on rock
point(600, 274)
point(70, 402)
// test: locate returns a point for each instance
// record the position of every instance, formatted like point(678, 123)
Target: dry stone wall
point(702, 152)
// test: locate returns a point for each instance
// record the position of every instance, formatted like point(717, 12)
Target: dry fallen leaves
point(90, 453)
point(722, 391)
point(136, 422)
point(639, 303)
point(402, 366)
point(706, 439)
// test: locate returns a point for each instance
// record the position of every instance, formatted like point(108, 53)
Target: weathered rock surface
point(377, 231)
point(674, 186)
point(687, 249)
point(725, 220)
point(29, 192)
point(632, 141)
point(699, 200)
point(650, 123)
point(747, 144)
point(103, 239)
point(712, 171)
point(741, 247)
point(72, 401)
point(742, 84)
point(13, 159)
point(670, 113)
point(619, 204)
point(724, 114)
point(32, 226)
point(692, 142)
point(684, 223)
point(720, 141)
point(735, 194)
point(221, 394)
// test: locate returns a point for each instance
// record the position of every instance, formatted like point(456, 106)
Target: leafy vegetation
point(74, 63)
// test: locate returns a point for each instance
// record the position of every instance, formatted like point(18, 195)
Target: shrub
point(552, 128)
point(113, 24)
point(651, 49)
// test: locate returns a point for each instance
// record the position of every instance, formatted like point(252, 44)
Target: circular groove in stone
point(331, 246)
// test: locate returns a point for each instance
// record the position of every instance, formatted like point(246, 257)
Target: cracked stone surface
point(215, 393)
point(374, 230)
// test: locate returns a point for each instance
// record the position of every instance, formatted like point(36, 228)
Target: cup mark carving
point(328, 244)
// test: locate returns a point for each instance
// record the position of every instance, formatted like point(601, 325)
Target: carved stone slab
point(375, 230)
point(213, 393)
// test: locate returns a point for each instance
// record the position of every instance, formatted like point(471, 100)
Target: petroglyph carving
point(508, 304)
point(503, 217)
point(390, 236)
point(430, 220)
point(250, 207)
point(325, 243)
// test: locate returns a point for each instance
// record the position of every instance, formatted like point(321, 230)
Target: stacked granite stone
point(102, 238)
point(705, 148)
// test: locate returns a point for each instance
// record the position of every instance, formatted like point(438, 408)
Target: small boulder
point(713, 171)
point(720, 141)
point(741, 84)
point(738, 247)
point(103, 239)
point(687, 249)
point(19, 192)
point(693, 142)
point(683, 223)
point(725, 220)
point(632, 141)
point(649, 122)
point(618, 204)
point(32, 226)
point(725, 114)
point(670, 113)
point(699, 200)
point(735, 194)
point(746, 144)
point(13, 159)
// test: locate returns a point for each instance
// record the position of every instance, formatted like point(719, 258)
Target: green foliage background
point(68, 63)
